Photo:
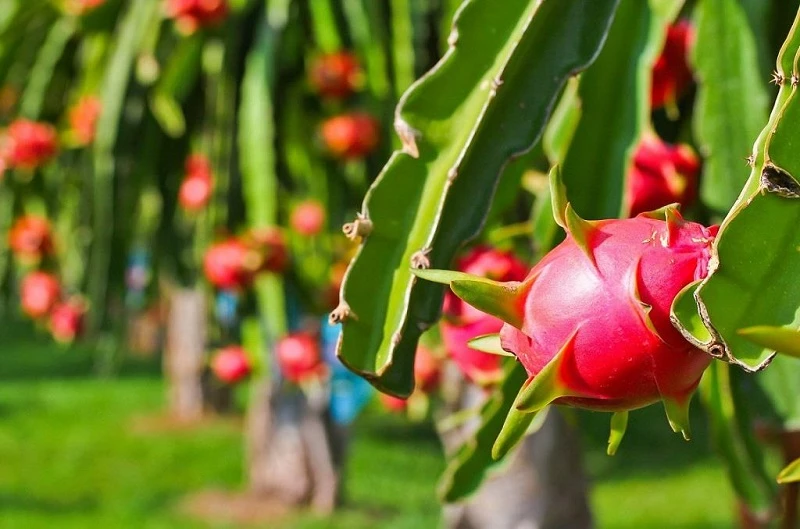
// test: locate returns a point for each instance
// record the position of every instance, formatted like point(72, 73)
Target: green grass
point(70, 456)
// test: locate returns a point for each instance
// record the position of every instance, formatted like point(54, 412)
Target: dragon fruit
point(83, 118)
point(39, 292)
point(66, 320)
point(662, 174)
point(230, 364)
point(197, 185)
point(336, 75)
point(299, 357)
point(591, 321)
point(671, 72)
point(230, 264)
point(29, 144)
point(351, 136)
point(30, 238)
point(308, 218)
point(191, 15)
point(463, 322)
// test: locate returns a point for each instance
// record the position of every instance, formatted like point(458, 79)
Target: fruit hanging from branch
point(231, 364)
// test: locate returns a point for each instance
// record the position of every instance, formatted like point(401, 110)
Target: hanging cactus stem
point(619, 423)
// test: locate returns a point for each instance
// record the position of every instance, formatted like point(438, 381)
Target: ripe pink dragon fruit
point(83, 118)
point(191, 15)
point(671, 72)
point(66, 320)
point(31, 238)
point(351, 136)
point(270, 244)
point(29, 144)
point(462, 322)
point(230, 264)
point(308, 218)
point(591, 321)
point(662, 174)
point(336, 75)
point(197, 185)
point(299, 357)
point(231, 364)
point(39, 292)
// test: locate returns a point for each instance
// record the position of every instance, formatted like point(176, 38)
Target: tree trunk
point(295, 454)
point(542, 486)
point(184, 357)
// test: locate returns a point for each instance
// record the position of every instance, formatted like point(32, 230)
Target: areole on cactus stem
point(590, 322)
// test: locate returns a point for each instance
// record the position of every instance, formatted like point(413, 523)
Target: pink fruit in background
point(231, 364)
point(662, 174)
point(39, 292)
point(299, 357)
point(308, 218)
point(83, 118)
point(197, 185)
point(80, 7)
point(427, 372)
point(392, 403)
point(230, 264)
point(30, 237)
point(351, 135)
point(671, 72)
point(191, 15)
point(336, 75)
point(270, 244)
point(66, 320)
point(462, 322)
point(29, 144)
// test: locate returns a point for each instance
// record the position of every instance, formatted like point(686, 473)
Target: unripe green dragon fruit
point(591, 321)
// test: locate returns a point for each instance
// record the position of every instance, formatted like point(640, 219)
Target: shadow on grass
point(18, 502)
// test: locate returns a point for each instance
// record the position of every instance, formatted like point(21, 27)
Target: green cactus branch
point(460, 124)
point(754, 275)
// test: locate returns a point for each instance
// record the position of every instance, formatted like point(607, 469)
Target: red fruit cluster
point(671, 72)
point(299, 357)
point(31, 238)
point(29, 144)
point(197, 185)
point(336, 75)
point(231, 365)
point(234, 262)
point(191, 15)
point(594, 326)
point(662, 174)
point(462, 322)
point(83, 118)
point(352, 135)
point(308, 218)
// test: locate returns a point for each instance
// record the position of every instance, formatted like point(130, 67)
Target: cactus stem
point(619, 423)
point(544, 388)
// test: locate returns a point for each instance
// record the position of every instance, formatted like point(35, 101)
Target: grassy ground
point(73, 453)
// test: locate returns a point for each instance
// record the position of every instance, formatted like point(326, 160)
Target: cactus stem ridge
point(420, 259)
point(361, 227)
point(341, 313)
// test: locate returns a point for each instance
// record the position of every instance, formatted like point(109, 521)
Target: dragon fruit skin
point(463, 322)
point(602, 322)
